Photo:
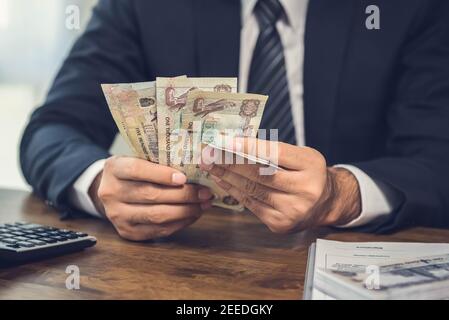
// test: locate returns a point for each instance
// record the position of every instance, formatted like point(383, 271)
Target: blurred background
point(36, 35)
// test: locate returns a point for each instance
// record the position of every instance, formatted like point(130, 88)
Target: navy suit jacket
point(376, 99)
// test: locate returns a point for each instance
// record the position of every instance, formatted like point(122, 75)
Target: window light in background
point(4, 14)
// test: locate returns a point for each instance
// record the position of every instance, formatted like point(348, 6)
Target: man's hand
point(306, 194)
point(144, 200)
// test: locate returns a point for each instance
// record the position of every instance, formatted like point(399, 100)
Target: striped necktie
point(268, 73)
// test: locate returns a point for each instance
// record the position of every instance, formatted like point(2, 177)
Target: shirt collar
point(294, 9)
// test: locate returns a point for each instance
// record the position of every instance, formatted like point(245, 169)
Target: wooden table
point(223, 256)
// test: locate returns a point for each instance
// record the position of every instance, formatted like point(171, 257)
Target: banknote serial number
point(225, 310)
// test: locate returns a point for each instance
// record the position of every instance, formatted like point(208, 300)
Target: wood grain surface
point(223, 256)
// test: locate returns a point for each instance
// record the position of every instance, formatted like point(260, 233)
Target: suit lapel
point(217, 25)
point(326, 38)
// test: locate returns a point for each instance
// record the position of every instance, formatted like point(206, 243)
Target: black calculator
point(23, 242)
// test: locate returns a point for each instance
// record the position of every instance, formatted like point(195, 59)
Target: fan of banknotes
point(172, 120)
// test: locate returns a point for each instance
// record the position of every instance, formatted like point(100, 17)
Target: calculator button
point(32, 236)
point(48, 240)
point(9, 240)
point(81, 234)
point(25, 244)
point(18, 233)
point(7, 235)
point(31, 226)
point(13, 246)
point(37, 242)
point(21, 238)
point(59, 238)
point(44, 234)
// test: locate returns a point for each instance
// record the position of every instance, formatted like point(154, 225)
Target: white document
point(356, 256)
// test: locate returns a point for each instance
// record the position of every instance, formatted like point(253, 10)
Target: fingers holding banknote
point(301, 193)
point(144, 200)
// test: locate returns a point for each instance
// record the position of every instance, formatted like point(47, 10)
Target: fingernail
point(206, 205)
point(205, 194)
point(179, 178)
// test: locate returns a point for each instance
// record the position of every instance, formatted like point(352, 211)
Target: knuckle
point(299, 208)
point(152, 194)
point(110, 163)
point(113, 215)
point(153, 217)
point(103, 192)
point(318, 157)
point(126, 234)
point(290, 183)
point(109, 188)
point(156, 218)
point(310, 196)
point(165, 232)
point(132, 170)
point(282, 227)
point(315, 193)
point(282, 149)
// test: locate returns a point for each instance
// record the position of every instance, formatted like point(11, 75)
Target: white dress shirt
point(378, 199)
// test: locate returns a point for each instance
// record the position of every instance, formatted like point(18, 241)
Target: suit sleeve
point(417, 161)
point(74, 128)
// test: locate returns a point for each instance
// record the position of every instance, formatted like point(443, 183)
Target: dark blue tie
point(268, 72)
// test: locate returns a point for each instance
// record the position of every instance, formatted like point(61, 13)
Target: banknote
point(117, 113)
point(171, 95)
point(211, 118)
point(134, 109)
point(172, 120)
point(249, 158)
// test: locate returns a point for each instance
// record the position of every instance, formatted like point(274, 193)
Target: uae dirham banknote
point(172, 120)
point(133, 107)
point(172, 96)
point(213, 119)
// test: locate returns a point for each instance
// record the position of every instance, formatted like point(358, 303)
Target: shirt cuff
point(79, 192)
point(379, 200)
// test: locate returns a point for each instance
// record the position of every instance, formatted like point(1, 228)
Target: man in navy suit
point(363, 84)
